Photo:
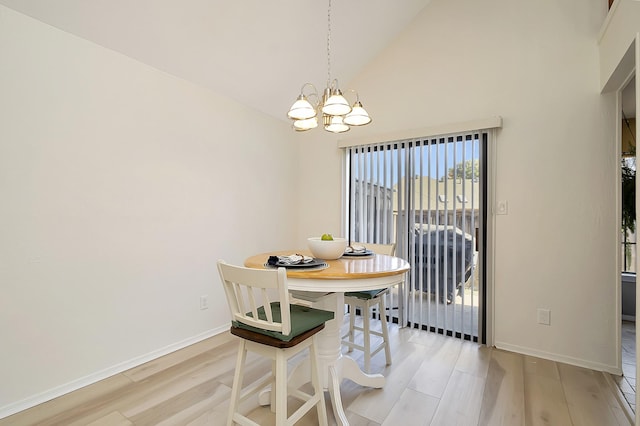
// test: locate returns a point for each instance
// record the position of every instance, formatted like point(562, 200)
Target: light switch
point(502, 207)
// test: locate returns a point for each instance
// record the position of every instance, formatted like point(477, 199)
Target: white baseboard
point(612, 369)
point(50, 394)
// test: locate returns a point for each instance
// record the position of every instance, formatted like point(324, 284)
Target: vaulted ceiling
point(259, 52)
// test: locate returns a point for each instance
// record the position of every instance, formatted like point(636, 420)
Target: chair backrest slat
point(267, 305)
point(388, 249)
point(238, 301)
point(252, 301)
point(248, 289)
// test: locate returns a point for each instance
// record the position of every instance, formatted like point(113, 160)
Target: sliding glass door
point(427, 196)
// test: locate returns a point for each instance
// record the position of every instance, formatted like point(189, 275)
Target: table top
point(345, 268)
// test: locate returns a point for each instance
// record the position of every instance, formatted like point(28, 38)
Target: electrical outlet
point(544, 316)
point(204, 302)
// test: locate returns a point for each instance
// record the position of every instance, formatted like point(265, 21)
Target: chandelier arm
point(356, 92)
point(314, 99)
point(315, 91)
point(311, 95)
point(334, 85)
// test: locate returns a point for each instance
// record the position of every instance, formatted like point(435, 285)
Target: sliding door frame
point(487, 226)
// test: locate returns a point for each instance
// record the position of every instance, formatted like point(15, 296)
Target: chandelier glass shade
point(358, 116)
point(337, 114)
point(302, 109)
point(306, 124)
point(335, 124)
point(335, 103)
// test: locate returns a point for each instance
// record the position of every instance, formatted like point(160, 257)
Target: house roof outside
point(441, 194)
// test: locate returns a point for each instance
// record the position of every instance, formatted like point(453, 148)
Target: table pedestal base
point(334, 366)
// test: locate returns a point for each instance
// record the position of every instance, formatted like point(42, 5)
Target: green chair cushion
point(303, 318)
point(365, 294)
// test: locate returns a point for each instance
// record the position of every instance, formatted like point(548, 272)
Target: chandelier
point(337, 114)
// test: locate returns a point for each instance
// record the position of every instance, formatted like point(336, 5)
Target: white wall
point(120, 187)
point(320, 175)
point(536, 64)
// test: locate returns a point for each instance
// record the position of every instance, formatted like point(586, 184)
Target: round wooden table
point(326, 288)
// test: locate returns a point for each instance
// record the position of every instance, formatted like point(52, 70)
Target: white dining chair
point(366, 300)
point(266, 322)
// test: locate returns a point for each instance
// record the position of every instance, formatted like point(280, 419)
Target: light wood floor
point(434, 380)
point(627, 382)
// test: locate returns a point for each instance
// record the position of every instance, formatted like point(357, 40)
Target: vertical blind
point(424, 195)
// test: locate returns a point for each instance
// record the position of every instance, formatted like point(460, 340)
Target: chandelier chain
point(329, 45)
